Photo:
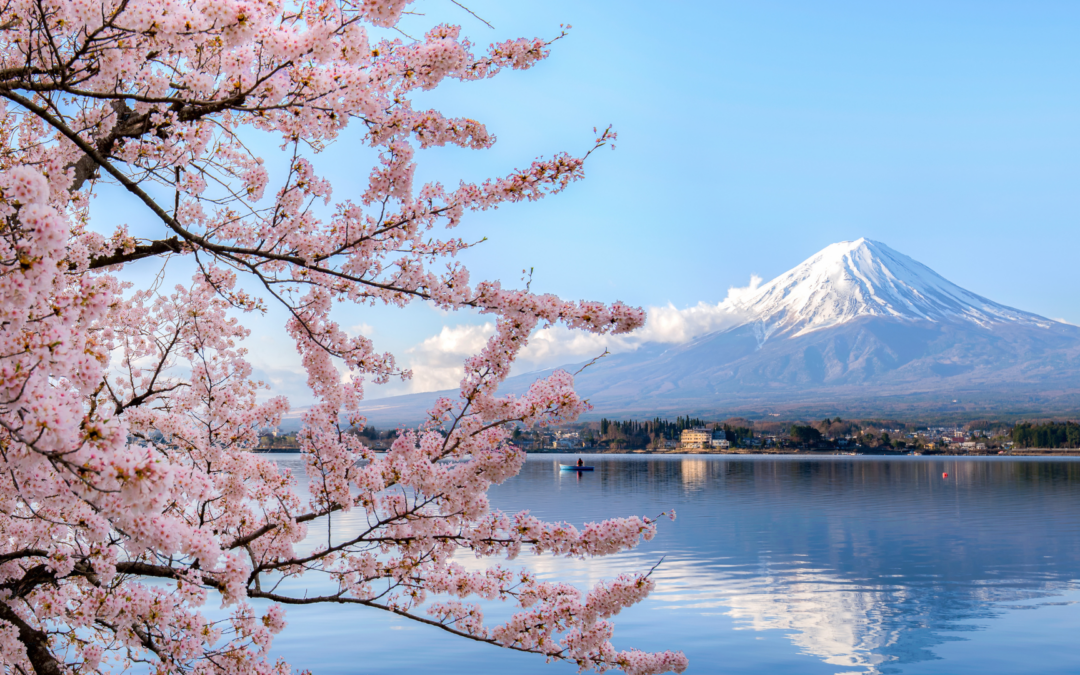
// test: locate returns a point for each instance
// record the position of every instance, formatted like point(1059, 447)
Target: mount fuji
point(853, 280)
point(858, 328)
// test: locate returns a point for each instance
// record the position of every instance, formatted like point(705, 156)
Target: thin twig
point(477, 16)
point(594, 360)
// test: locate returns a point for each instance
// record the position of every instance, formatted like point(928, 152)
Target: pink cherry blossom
point(131, 495)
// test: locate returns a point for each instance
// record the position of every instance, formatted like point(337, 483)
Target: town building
point(698, 438)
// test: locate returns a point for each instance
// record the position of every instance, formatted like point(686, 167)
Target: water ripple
point(792, 565)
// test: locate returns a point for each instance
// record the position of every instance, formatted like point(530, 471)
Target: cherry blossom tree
point(131, 495)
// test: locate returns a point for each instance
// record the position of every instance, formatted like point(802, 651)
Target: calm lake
point(785, 565)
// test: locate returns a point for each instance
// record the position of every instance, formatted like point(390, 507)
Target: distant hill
point(859, 329)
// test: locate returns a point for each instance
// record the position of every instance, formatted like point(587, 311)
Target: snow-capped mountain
point(857, 328)
point(864, 278)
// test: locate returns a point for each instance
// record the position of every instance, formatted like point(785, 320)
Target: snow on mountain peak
point(862, 278)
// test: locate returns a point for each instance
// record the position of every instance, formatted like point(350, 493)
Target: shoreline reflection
point(795, 566)
point(864, 564)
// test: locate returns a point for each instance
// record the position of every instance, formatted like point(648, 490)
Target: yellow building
point(695, 439)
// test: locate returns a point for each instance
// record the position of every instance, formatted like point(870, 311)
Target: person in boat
point(580, 462)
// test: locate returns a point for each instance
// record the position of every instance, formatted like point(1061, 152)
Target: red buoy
point(945, 475)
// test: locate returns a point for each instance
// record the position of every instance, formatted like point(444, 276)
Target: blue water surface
point(783, 565)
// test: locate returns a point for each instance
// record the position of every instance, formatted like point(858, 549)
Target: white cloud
point(286, 380)
point(437, 361)
point(365, 329)
point(737, 294)
point(558, 345)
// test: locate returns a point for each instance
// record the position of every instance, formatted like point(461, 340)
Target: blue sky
point(753, 134)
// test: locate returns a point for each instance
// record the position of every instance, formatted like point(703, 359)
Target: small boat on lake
point(574, 467)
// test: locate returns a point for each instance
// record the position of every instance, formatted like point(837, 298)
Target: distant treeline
point(1048, 435)
point(653, 433)
point(804, 434)
point(739, 431)
point(635, 434)
point(614, 428)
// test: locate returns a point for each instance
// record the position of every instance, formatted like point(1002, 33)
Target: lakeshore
point(741, 436)
point(869, 452)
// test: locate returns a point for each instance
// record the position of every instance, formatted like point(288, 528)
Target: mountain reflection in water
point(862, 565)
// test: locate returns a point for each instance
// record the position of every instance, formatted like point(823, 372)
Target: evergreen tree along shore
point(659, 434)
point(1047, 435)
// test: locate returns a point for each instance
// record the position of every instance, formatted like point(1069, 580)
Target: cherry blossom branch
point(128, 415)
